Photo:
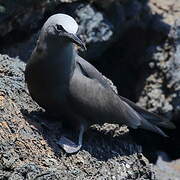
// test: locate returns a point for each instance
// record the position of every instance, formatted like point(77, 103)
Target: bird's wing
point(153, 118)
point(91, 95)
point(90, 71)
point(93, 73)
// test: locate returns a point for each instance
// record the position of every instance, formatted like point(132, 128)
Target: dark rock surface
point(136, 44)
point(163, 85)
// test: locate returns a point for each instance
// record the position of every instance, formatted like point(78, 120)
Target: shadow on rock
point(102, 143)
point(152, 144)
point(127, 61)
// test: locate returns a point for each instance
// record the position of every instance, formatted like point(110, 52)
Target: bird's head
point(62, 28)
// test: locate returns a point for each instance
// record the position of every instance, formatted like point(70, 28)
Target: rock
point(161, 92)
point(20, 15)
point(162, 88)
point(95, 29)
point(169, 10)
point(22, 49)
point(173, 72)
point(167, 170)
point(24, 15)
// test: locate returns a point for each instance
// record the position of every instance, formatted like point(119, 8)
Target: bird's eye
point(59, 27)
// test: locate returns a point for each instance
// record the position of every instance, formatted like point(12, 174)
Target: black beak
point(75, 39)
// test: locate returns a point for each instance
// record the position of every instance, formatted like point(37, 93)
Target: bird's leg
point(68, 145)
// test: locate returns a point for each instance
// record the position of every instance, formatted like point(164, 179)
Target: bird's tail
point(151, 121)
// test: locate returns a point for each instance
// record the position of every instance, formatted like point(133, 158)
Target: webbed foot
point(70, 146)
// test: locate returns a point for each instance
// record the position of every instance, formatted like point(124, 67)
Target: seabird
point(65, 84)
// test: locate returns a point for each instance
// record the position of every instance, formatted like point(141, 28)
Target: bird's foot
point(68, 145)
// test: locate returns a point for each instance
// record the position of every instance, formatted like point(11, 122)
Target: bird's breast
point(47, 84)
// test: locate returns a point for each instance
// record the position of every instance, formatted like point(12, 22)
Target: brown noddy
point(65, 84)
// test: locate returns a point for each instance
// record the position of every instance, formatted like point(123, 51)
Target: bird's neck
point(60, 57)
point(60, 51)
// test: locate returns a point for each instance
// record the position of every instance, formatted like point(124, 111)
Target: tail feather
point(151, 127)
point(151, 121)
point(167, 125)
